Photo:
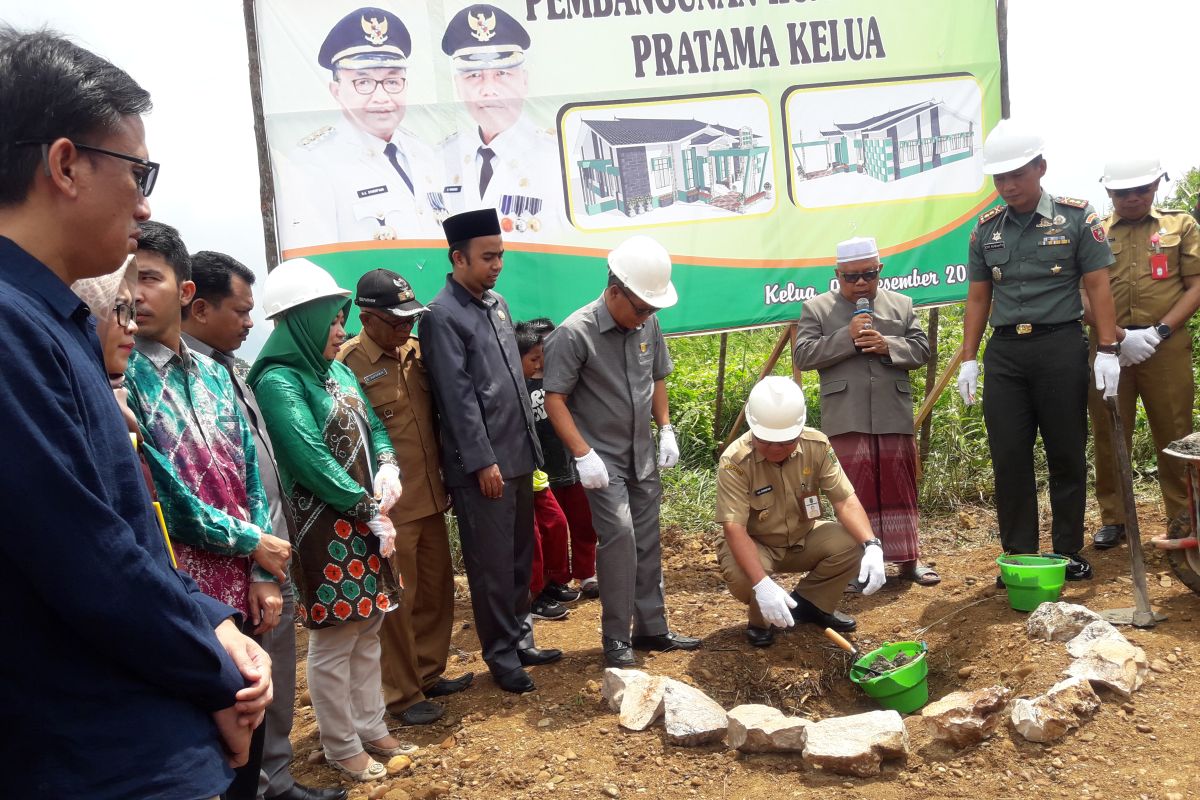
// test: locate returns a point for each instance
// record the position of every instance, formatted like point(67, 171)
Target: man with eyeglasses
point(387, 360)
point(1028, 261)
point(502, 161)
point(605, 380)
point(863, 341)
point(365, 177)
point(1156, 288)
point(769, 487)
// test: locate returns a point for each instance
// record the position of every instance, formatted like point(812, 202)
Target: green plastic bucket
point(1032, 580)
point(905, 689)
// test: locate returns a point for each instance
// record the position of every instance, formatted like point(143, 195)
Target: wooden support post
point(768, 367)
point(1143, 615)
point(932, 398)
point(266, 184)
point(930, 381)
point(720, 388)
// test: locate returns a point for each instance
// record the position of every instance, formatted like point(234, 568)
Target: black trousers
point(1034, 384)
point(497, 548)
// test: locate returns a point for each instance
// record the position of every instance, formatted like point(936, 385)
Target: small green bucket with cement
point(904, 688)
point(1032, 580)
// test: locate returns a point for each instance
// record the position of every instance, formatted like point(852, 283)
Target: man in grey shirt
point(489, 444)
point(216, 324)
point(606, 367)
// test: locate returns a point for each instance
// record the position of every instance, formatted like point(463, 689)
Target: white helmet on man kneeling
point(776, 409)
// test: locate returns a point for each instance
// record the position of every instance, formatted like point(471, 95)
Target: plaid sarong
point(883, 469)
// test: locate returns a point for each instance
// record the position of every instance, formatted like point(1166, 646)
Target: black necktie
point(392, 152)
point(485, 172)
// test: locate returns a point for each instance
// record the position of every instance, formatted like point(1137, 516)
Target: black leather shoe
point(1109, 536)
point(302, 792)
point(516, 681)
point(618, 654)
point(760, 637)
point(445, 686)
point(666, 642)
point(421, 713)
point(1078, 569)
point(532, 656)
point(807, 612)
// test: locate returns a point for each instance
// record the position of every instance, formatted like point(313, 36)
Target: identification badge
point(812, 507)
point(1159, 270)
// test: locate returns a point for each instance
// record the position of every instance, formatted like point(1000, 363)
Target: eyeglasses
point(1138, 190)
point(124, 313)
point(369, 85)
point(639, 310)
point(855, 277)
point(145, 177)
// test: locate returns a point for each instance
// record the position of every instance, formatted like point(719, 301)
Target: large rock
point(1058, 622)
point(965, 718)
point(615, 681)
point(1067, 705)
point(763, 729)
point(855, 745)
point(1100, 629)
point(691, 717)
point(1113, 663)
point(642, 702)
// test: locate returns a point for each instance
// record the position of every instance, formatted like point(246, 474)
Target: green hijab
point(298, 341)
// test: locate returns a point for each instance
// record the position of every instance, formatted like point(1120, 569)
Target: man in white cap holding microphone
point(606, 369)
point(1156, 289)
point(1028, 260)
point(769, 487)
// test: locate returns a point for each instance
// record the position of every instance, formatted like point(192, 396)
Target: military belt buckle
point(1024, 328)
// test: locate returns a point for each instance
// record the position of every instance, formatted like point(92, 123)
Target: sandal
point(403, 749)
point(373, 772)
point(921, 575)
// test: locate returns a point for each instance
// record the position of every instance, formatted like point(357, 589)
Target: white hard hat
point(1010, 147)
point(1132, 172)
point(644, 266)
point(297, 281)
point(776, 409)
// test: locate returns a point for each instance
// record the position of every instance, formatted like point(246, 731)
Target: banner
point(747, 136)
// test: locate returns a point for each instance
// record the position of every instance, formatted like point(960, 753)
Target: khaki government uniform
point(1163, 381)
point(415, 638)
point(769, 499)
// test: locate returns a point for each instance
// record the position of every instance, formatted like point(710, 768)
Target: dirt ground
point(562, 740)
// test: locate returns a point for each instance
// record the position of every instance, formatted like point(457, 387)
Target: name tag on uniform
point(762, 490)
point(452, 189)
point(812, 507)
point(374, 190)
point(374, 376)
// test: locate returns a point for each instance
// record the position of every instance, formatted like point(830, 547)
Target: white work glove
point(668, 449)
point(382, 527)
point(774, 603)
point(1138, 345)
point(387, 486)
point(968, 381)
point(592, 472)
point(1107, 370)
point(870, 570)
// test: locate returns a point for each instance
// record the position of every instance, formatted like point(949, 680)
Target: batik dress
point(328, 443)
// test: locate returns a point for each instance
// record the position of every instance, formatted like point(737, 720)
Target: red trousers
point(549, 543)
point(574, 503)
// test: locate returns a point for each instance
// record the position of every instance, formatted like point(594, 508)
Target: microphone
point(863, 306)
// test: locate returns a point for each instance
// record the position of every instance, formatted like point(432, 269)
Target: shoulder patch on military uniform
point(1074, 202)
point(1092, 217)
point(991, 212)
point(320, 133)
point(734, 468)
point(1171, 210)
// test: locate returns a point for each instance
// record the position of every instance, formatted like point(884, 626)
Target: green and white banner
point(748, 136)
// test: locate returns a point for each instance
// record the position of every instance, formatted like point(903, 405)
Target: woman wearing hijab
point(338, 467)
point(110, 299)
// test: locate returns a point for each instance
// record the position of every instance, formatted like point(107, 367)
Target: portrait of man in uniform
point(502, 161)
point(365, 176)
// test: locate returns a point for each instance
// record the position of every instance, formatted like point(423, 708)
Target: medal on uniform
point(997, 275)
point(506, 209)
point(1059, 219)
point(812, 507)
point(386, 233)
point(1055, 269)
point(438, 205)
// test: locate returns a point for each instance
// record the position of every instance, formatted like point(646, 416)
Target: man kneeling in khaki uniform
point(768, 502)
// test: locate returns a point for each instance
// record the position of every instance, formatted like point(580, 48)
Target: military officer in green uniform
point(1156, 288)
point(1028, 260)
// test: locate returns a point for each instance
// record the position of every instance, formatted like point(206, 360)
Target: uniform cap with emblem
point(471, 224)
point(484, 37)
point(1131, 173)
point(776, 410)
point(1009, 147)
point(387, 291)
point(859, 248)
point(366, 38)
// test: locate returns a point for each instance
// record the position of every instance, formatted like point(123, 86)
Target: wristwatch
point(1112, 349)
point(870, 542)
point(1163, 330)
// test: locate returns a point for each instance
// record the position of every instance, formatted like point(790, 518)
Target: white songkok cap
point(857, 249)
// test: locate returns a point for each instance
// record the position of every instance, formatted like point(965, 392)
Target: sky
point(1099, 78)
